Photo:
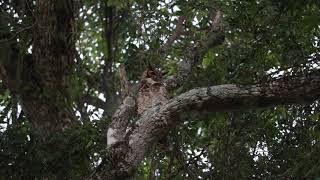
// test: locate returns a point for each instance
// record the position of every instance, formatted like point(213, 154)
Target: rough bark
point(40, 81)
point(45, 99)
point(194, 104)
point(118, 128)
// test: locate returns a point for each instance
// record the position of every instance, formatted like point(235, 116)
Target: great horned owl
point(151, 90)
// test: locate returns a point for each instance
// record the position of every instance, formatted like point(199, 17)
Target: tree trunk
point(44, 96)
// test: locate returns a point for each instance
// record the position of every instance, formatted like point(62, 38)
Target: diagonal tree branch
point(13, 37)
point(175, 35)
point(196, 103)
point(216, 19)
point(120, 120)
point(124, 83)
point(195, 53)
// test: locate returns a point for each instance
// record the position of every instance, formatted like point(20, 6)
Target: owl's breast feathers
point(151, 91)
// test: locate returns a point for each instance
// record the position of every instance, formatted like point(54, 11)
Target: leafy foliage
point(26, 155)
point(261, 36)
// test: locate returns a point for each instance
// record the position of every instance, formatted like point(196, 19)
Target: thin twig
point(15, 35)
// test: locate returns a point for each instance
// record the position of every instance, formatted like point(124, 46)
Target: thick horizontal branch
point(157, 121)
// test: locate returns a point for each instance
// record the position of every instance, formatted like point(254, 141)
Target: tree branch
point(195, 54)
point(175, 35)
point(13, 37)
point(120, 120)
point(118, 128)
point(216, 19)
point(196, 103)
point(124, 83)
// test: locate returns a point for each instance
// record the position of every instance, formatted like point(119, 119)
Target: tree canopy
point(236, 96)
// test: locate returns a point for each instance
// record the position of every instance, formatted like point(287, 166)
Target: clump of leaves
point(24, 154)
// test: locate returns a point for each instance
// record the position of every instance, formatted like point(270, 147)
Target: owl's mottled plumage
point(151, 91)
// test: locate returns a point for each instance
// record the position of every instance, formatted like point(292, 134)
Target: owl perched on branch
point(151, 91)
